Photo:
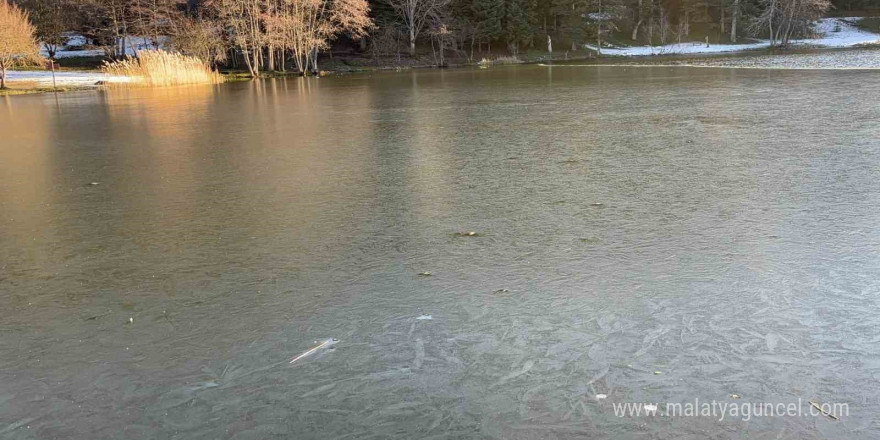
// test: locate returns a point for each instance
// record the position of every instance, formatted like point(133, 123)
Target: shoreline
point(22, 82)
point(864, 58)
point(831, 32)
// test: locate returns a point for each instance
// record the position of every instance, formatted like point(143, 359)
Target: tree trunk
point(50, 49)
point(772, 38)
point(271, 58)
point(125, 38)
point(302, 62)
point(772, 13)
point(247, 60)
point(315, 63)
point(599, 32)
point(635, 34)
point(789, 27)
point(733, 19)
point(115, 21)
point(412, 42)
point(2, 75)
point(687, 24)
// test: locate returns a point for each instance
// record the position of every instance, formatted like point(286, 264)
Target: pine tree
point(570, 20)
point(488, 16)
point(517, 24)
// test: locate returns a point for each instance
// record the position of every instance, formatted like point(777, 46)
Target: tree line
point(268, 35)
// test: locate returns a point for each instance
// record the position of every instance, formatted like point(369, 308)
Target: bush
point(154, 68)
point(17, 43)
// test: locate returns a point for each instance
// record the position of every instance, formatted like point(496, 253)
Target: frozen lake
point(646, 235)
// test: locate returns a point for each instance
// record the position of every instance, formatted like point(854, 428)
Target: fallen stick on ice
point(816, 405)
point(321, 345)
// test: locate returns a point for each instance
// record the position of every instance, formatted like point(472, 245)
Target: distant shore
point(803, 58)
point(843, 46)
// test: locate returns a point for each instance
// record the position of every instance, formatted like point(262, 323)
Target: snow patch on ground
point(836, 32)
point(841, 32)
point(860, 59)
point(63, 78)
point(77, 44)
point(76, 40)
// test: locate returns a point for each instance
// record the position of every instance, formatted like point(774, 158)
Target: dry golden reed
point(155, 68)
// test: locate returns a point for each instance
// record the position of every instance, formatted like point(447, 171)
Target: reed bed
point(156, 68)
point(500, 60)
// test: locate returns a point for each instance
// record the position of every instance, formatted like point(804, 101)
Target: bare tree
point(202, 39)
point(638, 19)
point(279, 24)
point(664, 25)
point(51, 19)
point(386, 41)
point(155, 19)
point(734, 17)
point(109, 21)
point(242, 19)
point(415, 13)
point(784, 19)
point(17, 39)
point(306, 27)
point(440, 32)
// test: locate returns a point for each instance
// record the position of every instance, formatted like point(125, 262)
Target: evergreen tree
point(517, 24)
point(488, 16)
point(571, 21)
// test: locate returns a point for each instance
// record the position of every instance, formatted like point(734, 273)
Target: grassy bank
point(346, 63)
point(20, 88)
point(353, 62)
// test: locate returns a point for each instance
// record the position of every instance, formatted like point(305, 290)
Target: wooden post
point(52, 68)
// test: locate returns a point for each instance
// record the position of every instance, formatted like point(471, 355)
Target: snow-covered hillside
point(836, 32)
